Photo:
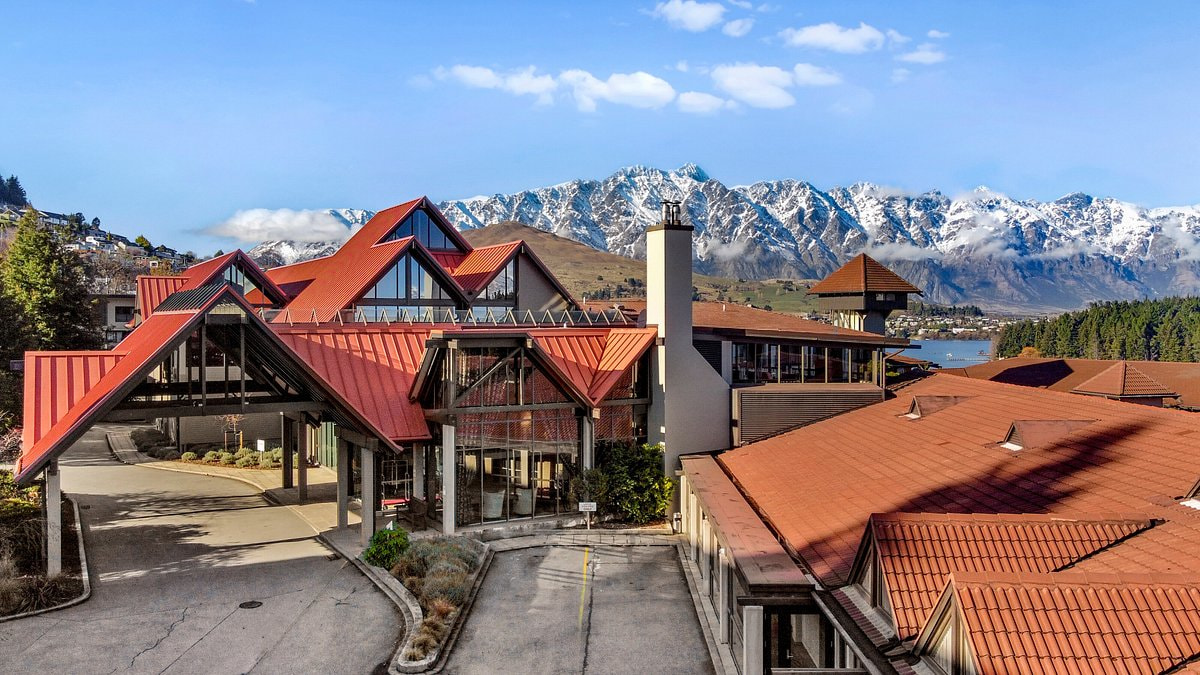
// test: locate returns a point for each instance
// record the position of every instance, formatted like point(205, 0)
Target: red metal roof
point(141, 349)
point(477, 269)
point(863, 274)
point(1078, 623)
point(293, 278)
point(152, 290)
point(372, 368)
point(593, 360)
point(341, 285)
point(56, 381)
point(1122, 380)
point(918, 551)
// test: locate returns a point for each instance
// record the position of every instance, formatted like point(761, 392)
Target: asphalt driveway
point(534, 614)
point(172, 556)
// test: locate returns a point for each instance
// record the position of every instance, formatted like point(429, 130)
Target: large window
point(504, 287)
point(425, 229)
point(759, 363)
point(407, 291)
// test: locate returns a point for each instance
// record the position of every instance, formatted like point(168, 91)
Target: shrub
point(188, 457)
point(227, 458)
point(276, 454)
point(245, 462)
point(242, 452)
point(635, 489)
point(267, 461)
point(212, 456)
point(441, 608)
point(424, 643)
point(386, 548)
point(453, 588)
point(433, 626)
point(168, 454)
point(413, 654)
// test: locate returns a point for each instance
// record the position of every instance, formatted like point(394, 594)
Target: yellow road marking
point(583, 588)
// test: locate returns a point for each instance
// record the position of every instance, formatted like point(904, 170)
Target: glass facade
point(765, 362)
point(406, 292)
point(425, 229)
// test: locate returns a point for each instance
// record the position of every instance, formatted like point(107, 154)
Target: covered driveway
point(172, 557)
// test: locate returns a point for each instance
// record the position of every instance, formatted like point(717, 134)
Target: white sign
point(587, 507)
point(262, 445)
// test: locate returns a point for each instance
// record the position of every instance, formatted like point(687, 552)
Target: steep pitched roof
point(1122, 380)
point(594, 361)
point(817, 485)
point(1077, 623)
point(476, 269)
point(863, 274)
point(918, 551)
point(152, 290)
point(293, 278)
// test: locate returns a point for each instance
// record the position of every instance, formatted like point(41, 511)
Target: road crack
point(170, 629)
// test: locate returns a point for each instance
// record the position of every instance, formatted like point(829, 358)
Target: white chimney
point(690, 406)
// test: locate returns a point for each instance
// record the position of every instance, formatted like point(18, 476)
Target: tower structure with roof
point(862, 293)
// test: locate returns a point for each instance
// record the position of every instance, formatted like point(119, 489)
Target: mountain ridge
point(981, 247)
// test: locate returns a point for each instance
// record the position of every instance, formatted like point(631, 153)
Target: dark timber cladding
point(775, 408)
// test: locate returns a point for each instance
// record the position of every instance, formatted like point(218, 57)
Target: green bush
point(168, 454)
point(453, 588)
point(242, 452)
point(246, 462)
point(634, 487)
point(267, 462)
point(386, 548)
point(276, 454)
point(188, 456)
point(212, 456)
point(227, 458)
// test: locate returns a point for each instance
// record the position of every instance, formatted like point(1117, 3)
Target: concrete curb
point(720, 657)
point(444, 650)
point(84, 574)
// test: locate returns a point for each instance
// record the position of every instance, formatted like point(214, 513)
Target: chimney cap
point(671, 217)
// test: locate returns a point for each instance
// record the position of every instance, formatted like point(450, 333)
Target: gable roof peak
point(863, 274)
point(1123, 380)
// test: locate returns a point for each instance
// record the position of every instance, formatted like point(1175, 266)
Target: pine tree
point(48, 287)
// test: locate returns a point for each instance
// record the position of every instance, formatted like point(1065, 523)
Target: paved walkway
point(535, 614)
point(172, 556)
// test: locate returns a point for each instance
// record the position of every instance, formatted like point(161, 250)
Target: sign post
point(589, 508)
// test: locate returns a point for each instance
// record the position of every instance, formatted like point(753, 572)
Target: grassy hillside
point(594, 274)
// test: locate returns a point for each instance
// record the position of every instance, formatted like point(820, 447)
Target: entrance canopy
point(165, 368)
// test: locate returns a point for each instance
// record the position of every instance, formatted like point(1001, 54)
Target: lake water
point(952, 353)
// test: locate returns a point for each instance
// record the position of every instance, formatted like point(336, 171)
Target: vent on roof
point(927, 405)
point(1033, 434)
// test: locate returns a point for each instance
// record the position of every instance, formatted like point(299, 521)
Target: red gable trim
point(211, 271)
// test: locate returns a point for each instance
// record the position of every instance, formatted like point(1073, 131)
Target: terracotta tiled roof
point(1067, 374)
point(918, 551)
point(863, 274)
point(1122, 380)
point(1079, 623)
point(817, 485)
point(730, 317)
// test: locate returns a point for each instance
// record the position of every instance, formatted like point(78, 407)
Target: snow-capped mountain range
point(981, 247)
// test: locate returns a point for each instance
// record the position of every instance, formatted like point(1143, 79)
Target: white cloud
point(926, 54)
point(902, 250)
point(258, 225)
point(808, 75)
point(755, 85)
point(835, 38)
point(519, 82)
point(640, 89)
point(900, 75)
point(690, 15)
point(895, 37)
point(935, 34)
point(681, 66)
point(700, 103)
point(742, 4)
point(738, 27)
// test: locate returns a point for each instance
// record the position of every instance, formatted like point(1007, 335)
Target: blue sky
point(167, 118)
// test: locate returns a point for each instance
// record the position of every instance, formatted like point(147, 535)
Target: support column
point(418, 485)
point(448, 475)
point(53, 520)
point(343, 481)
point(287, 440)
point(587, 438)
point(722, 595)
point(303, 439)
point(752, 640)
point(367, 462)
